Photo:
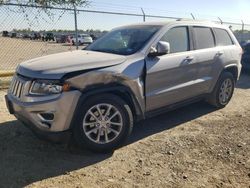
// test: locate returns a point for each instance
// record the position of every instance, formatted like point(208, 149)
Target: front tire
point(103, 124)
point(223, 90)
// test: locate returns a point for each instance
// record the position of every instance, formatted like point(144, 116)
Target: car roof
point(204, 23)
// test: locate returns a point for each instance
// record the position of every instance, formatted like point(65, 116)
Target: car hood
point(57, 65)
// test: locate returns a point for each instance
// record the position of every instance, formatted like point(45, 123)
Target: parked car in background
point(35, 36)
point(5, 33)
point(82, 39)
point(19, 35)
point(93, 37)
point(48, 37)
point(245, 61)
point(132, 73)
point(13, 35)
point(26, 36)
point(61, 38)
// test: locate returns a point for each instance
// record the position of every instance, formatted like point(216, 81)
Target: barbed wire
point(50, 14)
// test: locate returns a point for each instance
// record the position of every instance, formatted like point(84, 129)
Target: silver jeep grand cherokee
point(131, 73)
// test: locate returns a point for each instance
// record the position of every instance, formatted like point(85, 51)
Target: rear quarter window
point(222, 37)
point(203, 37)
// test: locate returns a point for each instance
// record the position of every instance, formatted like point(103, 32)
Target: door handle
point(189, 58)
point(219, 53)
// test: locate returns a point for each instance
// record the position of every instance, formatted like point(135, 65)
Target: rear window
point(222, 37)
point(204, 37)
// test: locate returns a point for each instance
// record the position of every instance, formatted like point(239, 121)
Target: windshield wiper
point(105, 51)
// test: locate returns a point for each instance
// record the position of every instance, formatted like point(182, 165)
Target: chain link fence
point(28, 31)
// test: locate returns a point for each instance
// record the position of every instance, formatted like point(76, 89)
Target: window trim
point(191, 38)
point(195, 37)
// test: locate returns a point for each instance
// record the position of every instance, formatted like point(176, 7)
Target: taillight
point(241, 52)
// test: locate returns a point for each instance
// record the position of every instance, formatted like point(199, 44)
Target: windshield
point(125, 41)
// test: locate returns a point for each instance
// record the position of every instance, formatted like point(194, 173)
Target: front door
point(171, 78)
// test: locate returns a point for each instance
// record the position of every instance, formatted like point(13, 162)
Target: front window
point(178, 39)
point(125, 41)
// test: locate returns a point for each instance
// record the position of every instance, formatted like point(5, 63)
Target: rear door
point(226, 43)
point(206, 55)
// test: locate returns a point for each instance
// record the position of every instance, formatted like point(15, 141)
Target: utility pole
point(242, 30)
point(76, 30)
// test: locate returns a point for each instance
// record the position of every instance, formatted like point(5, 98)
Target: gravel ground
point(195, 146)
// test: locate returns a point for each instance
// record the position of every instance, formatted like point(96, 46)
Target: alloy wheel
point(102, 123)
point(226, 90)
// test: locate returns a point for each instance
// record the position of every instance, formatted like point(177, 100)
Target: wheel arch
point(233, 69)
point(119, 90)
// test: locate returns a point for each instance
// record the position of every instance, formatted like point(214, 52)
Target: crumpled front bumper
point(60, 109)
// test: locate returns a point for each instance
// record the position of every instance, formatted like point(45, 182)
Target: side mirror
point(162, 48)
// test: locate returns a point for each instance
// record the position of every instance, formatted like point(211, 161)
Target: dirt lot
point(14, 51)
point(195, 146)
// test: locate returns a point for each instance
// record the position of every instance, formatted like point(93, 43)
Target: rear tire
point(103, 123)
point(223, 90)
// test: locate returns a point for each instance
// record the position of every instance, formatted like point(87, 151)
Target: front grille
point(16, 87)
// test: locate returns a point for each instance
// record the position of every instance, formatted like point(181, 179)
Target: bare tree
point(49, 3)
point(45, 12)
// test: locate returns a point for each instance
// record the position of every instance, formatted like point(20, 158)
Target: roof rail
point(185, 19)
point(189, 19)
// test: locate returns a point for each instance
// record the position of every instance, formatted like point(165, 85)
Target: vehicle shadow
point(244, 81)
point(169, 120)
point(26, 159)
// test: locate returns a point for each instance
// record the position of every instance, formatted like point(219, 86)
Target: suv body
point(13, 35)
point(61, 38)
point(48, 37)
point(98, 93)
point(82, 39)
point(5, 33)
point(35, 36)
